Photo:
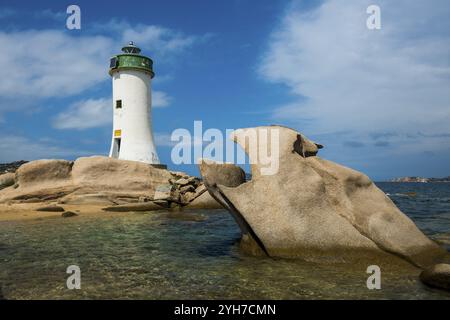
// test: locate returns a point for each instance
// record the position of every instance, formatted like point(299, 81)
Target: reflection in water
point(190, 255)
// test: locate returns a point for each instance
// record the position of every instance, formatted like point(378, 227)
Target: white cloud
point(160, 99)
point(40, 64)
point(20, 148)
point(163, 139)
point(345, 77)
point(92, 113)
point(85, 114)
point(51, 63)
point(160, 39)
point(185, 140)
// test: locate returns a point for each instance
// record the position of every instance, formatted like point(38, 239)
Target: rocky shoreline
point(420, 179)
point(102, 181)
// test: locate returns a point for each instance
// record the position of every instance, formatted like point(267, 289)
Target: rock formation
point(314, 208)
point(101, 181)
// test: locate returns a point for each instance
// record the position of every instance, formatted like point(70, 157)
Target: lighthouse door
point(116, 148)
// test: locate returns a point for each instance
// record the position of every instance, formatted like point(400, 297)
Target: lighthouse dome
point(131, 59)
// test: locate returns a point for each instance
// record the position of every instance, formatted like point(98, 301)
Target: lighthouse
point(132, 135)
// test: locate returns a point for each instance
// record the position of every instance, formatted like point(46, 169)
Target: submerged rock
point(68, 214)
point(437, 276)
point(141, 206)
point(311, 207)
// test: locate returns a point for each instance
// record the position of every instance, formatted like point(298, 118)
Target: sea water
point(194, 255)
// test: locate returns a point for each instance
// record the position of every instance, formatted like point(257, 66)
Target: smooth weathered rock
point(312, 207)
point(226, 174)
point(44, 173)
point(7, 180)
point(204, 201)
point(126, 178)
point(141, 206)
point(437, 276)
point(68, 214)
point(90, 198)
point(51, 208)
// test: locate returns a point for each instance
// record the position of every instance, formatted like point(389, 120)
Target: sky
point(378, 100)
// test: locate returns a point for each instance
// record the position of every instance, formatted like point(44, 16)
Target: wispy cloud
point(186, 140)
point(51, 63)
point(93, 113)
point(160, 99)
point(85, 114)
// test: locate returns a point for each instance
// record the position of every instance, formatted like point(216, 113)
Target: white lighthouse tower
point(132, 136)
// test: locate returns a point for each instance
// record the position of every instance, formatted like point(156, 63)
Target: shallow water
point(194, 255)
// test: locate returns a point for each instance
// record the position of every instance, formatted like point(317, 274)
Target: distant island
point(420, 179)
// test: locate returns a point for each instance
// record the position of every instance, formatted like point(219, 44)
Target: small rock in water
point(437, 276)
point(51, 208)
point(68, 214)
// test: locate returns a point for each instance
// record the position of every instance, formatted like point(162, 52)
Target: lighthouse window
point(113, 62)
point(118, 104)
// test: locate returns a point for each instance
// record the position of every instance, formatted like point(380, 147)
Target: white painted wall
point(134, 118)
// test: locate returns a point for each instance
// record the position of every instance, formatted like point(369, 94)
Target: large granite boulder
point(226, 174)
point(310, 207)
point(120, 177)
point(92, 179)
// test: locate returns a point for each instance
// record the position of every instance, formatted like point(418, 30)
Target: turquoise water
point(193, 255)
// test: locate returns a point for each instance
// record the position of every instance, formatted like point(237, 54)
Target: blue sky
point(379, 100)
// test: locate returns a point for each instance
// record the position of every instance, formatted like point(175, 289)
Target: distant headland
point(420, 179)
